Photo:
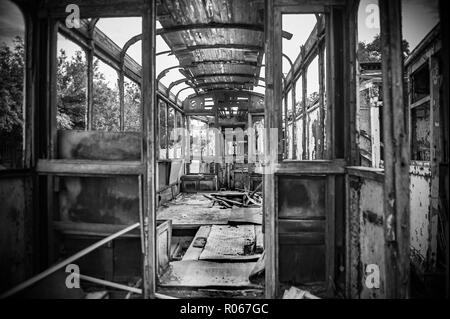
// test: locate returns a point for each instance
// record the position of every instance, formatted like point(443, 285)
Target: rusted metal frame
point(150, 115)
point(272, 115)
point(396, 154)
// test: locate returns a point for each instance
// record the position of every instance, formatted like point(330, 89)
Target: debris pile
point(228, 199)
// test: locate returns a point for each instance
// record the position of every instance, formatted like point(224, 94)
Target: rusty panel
point(112, 200)
point(95, 145)
point(16, 233)
point(422, 242)
point(301, 197)
point(366, 236)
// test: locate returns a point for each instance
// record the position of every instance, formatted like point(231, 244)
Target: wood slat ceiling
point(235, 24)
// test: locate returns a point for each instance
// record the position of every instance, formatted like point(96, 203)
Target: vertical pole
point(305, 143)
point(90, 81)
point(272, 115)
point(321, 101)
point(286, 124)
point(149, 111)
point(294, 116)
point(396, 153)
point(121, 84)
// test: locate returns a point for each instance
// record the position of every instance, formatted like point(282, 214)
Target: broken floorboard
point(230, 243)
point(193, 253)
point(205, 274)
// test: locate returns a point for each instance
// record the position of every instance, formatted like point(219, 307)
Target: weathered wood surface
point(230, 243)
point(193, 253)
point(97, 145)
point(208, 274)
point(194, 210)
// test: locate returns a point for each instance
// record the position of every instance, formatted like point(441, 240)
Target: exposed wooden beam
point(231, 46)
point(149, 120)
point(396, 154)
point(216, 25)
point(235, 62)
point(242, 84)
point(240, 75)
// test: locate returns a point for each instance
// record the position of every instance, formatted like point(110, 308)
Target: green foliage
point(11, 90)
point(371, 52)
point(71, 91)
point(71, 84)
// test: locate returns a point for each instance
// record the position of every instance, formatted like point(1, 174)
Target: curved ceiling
point(220, 44)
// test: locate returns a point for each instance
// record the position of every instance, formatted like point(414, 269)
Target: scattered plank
point(226, 242)
point(295, 293)
point(193, 253)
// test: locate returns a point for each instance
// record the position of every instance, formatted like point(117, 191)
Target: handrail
point(122, 287)
point(67, 261)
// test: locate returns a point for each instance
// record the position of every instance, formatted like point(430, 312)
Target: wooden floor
point(194, 210)
point(206, 274)
point(222, 254)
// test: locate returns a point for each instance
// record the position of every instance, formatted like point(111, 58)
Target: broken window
point(420, 83)
point(420, 132)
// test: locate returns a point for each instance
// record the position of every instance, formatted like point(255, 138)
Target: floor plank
point(193, 253)
point(197, 273)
